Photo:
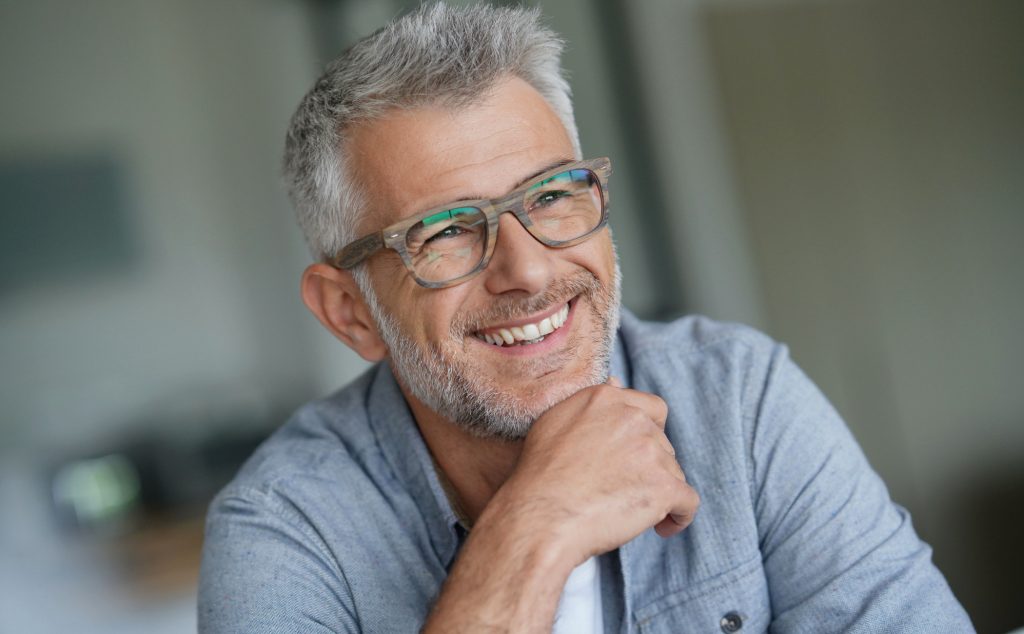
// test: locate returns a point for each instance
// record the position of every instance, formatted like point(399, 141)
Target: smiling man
point(525, 455)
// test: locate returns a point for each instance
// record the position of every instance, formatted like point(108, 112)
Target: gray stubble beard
point(482, 409)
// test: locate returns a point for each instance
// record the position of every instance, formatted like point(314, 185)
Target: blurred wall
point(185, 103)
point(189, 101)
point(879, 149)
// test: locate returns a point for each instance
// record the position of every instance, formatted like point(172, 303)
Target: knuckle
point(625, 419)
point(636, 415)
point(640, 451)
point(688, 499)
point(653, 451)
point(601, 395)
point(670, 488)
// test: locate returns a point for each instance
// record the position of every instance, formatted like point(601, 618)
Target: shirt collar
point(403, 447)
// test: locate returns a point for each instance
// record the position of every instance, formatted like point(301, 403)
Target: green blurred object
point(98, 491)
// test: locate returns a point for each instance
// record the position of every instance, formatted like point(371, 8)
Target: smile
point(525, 334)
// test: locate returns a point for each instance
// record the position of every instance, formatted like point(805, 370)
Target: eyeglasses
point(448, 245)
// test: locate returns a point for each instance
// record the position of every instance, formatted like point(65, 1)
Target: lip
point(550, 342)
point(533, 319)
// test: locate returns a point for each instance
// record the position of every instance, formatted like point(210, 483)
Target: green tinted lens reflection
point(448, 214)
point(447, 244)
point(565, 206)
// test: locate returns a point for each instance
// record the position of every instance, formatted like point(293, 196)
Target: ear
point(333, 296)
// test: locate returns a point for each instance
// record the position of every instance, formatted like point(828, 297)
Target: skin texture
point(595, 469)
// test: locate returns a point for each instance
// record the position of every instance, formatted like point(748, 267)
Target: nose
point(519, 262)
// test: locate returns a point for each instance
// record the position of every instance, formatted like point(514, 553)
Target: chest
point(669, 588)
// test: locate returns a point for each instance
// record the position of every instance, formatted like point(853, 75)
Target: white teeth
point(545, 326)
point(529, 333)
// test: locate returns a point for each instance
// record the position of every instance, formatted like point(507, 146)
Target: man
point(503, 466)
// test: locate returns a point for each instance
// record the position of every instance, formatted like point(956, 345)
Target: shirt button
point(731, 622)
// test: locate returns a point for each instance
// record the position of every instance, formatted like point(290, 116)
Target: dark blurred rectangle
point(63, 218)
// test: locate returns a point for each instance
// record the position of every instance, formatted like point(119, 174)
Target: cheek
point(429, 313)
point(600, 256)
point(400, 298)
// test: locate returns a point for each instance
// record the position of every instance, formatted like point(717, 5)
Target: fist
point(598, 469)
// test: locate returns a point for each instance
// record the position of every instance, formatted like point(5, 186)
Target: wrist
point(512, 569)
point(528, 522)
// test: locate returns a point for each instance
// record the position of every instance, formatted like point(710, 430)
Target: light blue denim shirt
point(338, 522)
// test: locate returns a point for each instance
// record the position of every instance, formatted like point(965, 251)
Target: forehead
point(411, 160)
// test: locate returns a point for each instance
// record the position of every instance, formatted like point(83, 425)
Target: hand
point(598, 468)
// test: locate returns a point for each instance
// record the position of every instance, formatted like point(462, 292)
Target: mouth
point(526, 332)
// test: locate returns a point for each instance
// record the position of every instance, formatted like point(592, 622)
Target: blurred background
point(845, 175)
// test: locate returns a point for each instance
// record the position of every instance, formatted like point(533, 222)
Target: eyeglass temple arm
point(359, 250)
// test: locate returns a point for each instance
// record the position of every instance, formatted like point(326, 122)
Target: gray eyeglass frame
point(394, 236)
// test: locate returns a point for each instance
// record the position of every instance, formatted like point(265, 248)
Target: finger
point(668, 527)
point(662, 440)
point(672, 466)
point(666, 444)
point(655, 408)
point(614, 381)
point(685, 506)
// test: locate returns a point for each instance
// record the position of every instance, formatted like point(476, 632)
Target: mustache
point(507, 309)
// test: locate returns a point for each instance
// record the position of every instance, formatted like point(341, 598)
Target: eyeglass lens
point(449, 244)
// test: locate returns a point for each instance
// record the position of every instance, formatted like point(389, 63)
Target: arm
point(836, 550)
point(506, 574)
point(264, 571)
point(596, 470)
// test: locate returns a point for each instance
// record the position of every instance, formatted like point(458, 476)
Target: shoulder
point(696, 355)
point(270, 559)
point(309, 467)
point(317, 522)
point(692, 335)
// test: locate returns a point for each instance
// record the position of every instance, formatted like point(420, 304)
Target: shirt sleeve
point(264, 569)
point(836, 549)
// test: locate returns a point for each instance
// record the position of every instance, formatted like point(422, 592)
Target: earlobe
point(333, 297)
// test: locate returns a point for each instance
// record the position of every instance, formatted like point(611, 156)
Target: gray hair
point(436, 54)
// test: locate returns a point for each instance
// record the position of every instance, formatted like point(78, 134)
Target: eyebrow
point(558, 163)
point(550, 166)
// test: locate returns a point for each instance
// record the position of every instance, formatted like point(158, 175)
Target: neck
point(475, 467)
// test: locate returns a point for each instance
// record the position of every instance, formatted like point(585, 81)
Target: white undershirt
point(579, 609)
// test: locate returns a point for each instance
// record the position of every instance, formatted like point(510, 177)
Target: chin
point(510, 416)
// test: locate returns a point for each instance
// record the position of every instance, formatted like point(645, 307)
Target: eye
point(550, 197)
point(450, 231)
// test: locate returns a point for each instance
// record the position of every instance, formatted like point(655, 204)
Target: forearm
point(508, 577)
point(596, 470)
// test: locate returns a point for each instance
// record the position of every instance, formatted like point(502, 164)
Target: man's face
point(411, 161)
